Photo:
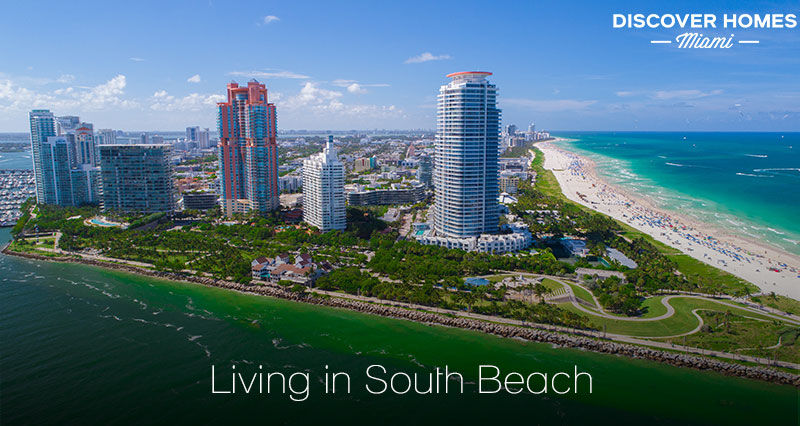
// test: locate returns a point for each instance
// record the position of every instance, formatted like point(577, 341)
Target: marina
point(16, 186)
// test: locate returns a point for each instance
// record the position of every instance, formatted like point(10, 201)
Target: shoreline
point(530, 334)
point(752, 261)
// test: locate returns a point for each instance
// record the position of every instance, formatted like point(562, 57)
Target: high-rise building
point(63, 165)
point(85, 184)
point(466, 212)
point(191, 133)
point(105, 136)
point(425, 171)
point(144, 139)
point(364, 164)
point(465, 171)
point(323, 190)
point(67, 123)
point(203, 141)
point(43, 125)
point(84, 144)
point(248, 149)
point(56, 161)
point(136, 178)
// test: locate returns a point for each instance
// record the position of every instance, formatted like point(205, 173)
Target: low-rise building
point(235, 206)
point(410, 195)
point(508, 184)
point(199, 200)
point(300, 270)
point(516, 237)
point(576, 248)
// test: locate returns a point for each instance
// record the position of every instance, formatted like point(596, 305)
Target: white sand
point(769, 268)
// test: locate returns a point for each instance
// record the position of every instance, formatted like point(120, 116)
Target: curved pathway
point(664, 301)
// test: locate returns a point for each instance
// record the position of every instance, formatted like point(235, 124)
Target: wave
point(752, 175)
point(777, 232)
point(757, 155)
point(779, 169)
point(675, 164)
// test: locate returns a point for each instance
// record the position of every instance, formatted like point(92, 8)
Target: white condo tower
point(323, 190)
point(466, 170)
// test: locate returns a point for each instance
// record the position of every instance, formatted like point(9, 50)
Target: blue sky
point(362, 65)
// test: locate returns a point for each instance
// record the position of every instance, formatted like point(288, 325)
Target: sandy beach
point(769, 268)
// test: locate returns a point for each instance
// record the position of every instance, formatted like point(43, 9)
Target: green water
point(87, 345)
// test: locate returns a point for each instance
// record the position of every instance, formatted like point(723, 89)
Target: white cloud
point(135, 59)
point(163, 101)
point(65, 78)
point(425, 57)
point(669, 94)
point(353, 86)
point(553, 105)
point(683, 94)
point(14, 97)
point(269, 74)
point(270, 18)
point(356, 88)
point(326, 104)
point(194, 79)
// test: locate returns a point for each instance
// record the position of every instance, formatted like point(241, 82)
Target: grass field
point(782, 303)
point(693, 268)
point(738, 334)
point(683, 321)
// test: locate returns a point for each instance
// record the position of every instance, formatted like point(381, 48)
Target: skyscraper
point(136, 178)
point(84, 144)
point(105, 136)
point(248, 150)
point(425, 171)
point(203, 141)
point(323, 190)
point(67, 123)
point(191, 133)
point(43, 125)
point(56, 160)
point(465, 170)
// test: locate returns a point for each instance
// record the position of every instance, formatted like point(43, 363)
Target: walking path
point(764, 311)
point(608, 336)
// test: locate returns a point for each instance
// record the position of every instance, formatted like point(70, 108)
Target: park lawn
point(744, 335)
point(695, 269)
point(581, 293)
point(552, 285)
point(683, 321)
point(654, 307)
point(782, 303)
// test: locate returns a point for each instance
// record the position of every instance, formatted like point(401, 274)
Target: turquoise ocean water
point(745, 183)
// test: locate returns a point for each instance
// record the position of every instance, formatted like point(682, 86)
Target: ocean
point(16, 160)
point(85, 345)
point(745, 183)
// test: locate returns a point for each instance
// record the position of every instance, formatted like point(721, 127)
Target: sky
point(163, 65)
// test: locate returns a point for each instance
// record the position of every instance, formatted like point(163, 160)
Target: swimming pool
point(101, 222)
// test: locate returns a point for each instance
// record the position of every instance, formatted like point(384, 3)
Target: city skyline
point(330, 68)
